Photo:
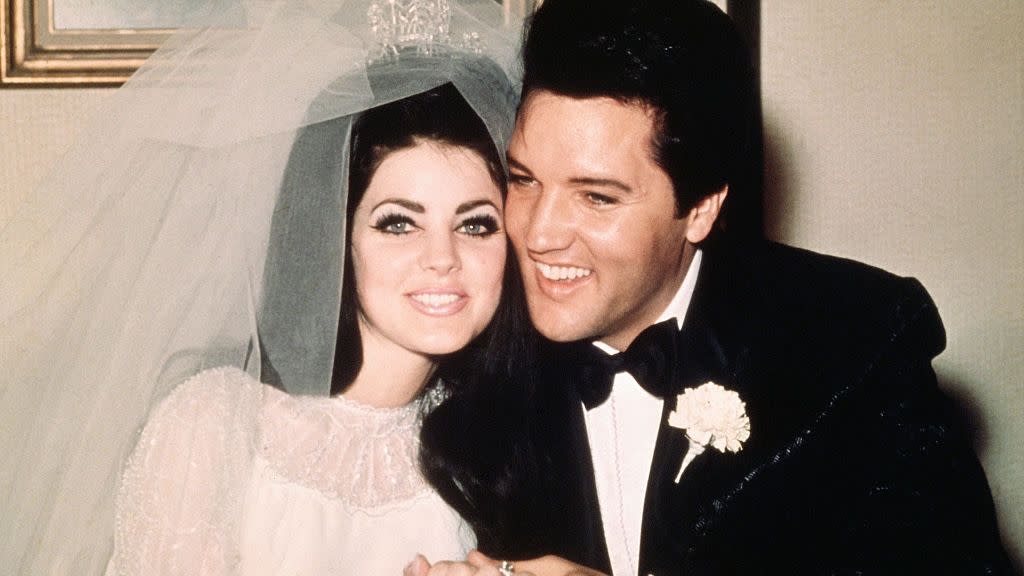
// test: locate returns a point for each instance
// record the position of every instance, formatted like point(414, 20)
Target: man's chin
point(561, 326)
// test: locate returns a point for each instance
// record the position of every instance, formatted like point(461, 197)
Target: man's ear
point(701, 218)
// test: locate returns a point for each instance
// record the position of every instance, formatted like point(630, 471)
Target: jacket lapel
point(708, 350)
point(713, 346)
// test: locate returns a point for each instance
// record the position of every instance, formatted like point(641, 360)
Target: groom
point(775, 411)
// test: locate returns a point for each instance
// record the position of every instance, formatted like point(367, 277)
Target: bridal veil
point(166, 242)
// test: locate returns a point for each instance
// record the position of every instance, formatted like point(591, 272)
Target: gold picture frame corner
point(34, 53)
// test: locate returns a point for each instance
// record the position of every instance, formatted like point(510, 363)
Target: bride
point(232, 306)
point(331, 485)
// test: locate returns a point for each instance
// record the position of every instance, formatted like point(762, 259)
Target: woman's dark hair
point(305, 225)
point(498, 359)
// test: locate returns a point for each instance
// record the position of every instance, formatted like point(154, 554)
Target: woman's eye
point(394, 224)
point(479, 226)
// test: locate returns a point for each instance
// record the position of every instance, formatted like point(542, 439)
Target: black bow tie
point(650, 359)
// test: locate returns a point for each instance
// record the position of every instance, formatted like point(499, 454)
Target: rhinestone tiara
point(422, 26)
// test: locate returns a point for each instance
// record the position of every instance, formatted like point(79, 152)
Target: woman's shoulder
point(182, 481)
point(209, 395)
point(214, 384)
point(200, 415)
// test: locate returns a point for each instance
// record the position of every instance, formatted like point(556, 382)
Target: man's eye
point(520, 180)
point(396, 224)
point(600, 199)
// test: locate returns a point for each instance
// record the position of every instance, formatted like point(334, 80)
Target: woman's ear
point(701, 218)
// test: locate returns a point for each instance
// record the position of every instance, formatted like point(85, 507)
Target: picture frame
point(93, 43)
point(34, 51)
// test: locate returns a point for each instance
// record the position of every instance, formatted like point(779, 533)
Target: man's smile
point(553, 272)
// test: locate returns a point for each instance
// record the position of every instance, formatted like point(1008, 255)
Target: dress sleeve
point(179, 495)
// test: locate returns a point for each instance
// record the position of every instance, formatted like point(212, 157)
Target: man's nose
point(550, 223)
point(440, 253)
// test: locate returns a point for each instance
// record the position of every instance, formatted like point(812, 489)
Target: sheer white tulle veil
point(199, 222)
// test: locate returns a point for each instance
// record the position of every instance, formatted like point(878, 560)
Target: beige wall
point(894, 135)
point(36, 127)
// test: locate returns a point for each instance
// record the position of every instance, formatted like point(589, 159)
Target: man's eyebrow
point(608, 182)
point(578, 180)
point(407, 204)
point(467, 206)
point(513, 163)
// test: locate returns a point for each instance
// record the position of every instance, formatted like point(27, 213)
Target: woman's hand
point(544, 566)
point(479, 564)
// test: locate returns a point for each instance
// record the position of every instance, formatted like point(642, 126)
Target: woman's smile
point(434, 302)
point(428, 249)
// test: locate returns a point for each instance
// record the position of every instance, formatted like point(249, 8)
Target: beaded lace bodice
point(231, 476)
point(364, 456)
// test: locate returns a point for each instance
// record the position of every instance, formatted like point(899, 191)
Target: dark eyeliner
point(490, 223)
point(385, 221)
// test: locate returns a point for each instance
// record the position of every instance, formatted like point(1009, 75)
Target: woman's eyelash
point(393, 223)
point(480, 225)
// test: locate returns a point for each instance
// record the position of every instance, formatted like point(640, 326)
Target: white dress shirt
point(622, 432)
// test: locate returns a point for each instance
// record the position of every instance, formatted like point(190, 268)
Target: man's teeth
point(435, 300)
point(561, 272)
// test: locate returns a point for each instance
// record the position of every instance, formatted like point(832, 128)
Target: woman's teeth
point(435, 300)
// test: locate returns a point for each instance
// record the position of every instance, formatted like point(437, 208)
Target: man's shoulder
point(797, 293)
point(852, 447)
point(807, 271)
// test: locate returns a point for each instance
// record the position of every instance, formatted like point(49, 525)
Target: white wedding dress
point(231, 476)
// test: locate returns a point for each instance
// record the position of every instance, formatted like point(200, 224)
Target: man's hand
point(479, 564)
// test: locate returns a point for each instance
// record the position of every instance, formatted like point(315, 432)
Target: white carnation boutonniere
point(710, 415)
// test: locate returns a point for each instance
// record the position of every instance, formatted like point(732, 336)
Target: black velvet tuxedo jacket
point(855, 463)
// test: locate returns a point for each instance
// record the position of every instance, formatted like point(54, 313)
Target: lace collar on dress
point(366, 457)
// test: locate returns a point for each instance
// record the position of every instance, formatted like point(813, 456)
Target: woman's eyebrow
point(407, 204)
point(467, 206)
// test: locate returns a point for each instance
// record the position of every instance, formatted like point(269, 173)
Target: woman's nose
point(440, 253)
